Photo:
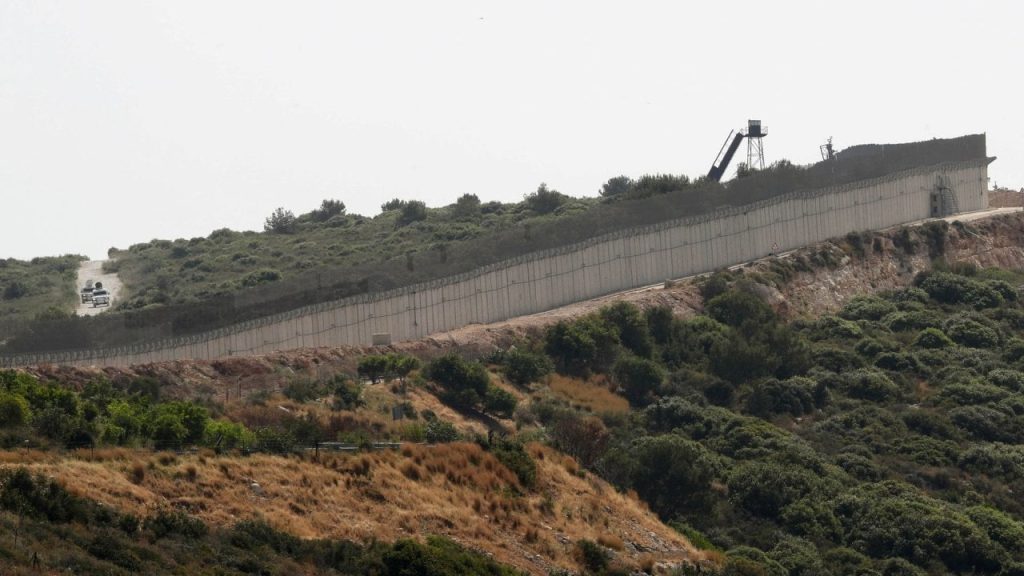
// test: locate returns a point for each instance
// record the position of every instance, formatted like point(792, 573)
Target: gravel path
point(93, 270)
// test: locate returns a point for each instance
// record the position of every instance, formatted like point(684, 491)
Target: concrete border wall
point(549, 279)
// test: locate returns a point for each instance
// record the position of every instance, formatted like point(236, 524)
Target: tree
point(393, 204)
point(328, 209)
point(280, 222)
point(674, 474)
point(639, 378)
point(632, 327)
point(523, 367)
point(466, 207)
point(544, 201)
point(617, 186)
point(412, 211)
point(499, 402)
point(400, 365)
point(373, 367)
point(14, 411)
point(465, 383)
point(581, 346)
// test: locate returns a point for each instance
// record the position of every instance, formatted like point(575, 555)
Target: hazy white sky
point(123, 121)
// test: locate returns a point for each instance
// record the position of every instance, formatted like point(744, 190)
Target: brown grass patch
point(611, 541)
point(138, 473)
point(591, 396)
point(458, 490)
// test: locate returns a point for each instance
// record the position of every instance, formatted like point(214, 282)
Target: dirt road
point(93, 270)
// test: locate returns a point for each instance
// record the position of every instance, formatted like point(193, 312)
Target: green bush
point(544, 201)
point(969, 332)
point(869, 384)
point(440, 431)
point(866, 308)
point(14, 410)
point(592, 556)
point(582, 346)
point(639, 378)
point(932, 338)
point(499, 402)
point(36, 496)
point(794, 396)
point(673, 474)
point(512, 454)
point(465, 383)
point(632, 327)
point(167, 522)
point(523, 367)
point(411, 211)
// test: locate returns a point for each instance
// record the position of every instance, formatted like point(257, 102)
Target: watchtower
point(755, 146)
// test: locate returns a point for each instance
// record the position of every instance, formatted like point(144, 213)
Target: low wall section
point(545, 280)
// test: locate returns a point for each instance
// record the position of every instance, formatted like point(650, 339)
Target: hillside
point(850, 408)
point(41, 286)
point(185, 287)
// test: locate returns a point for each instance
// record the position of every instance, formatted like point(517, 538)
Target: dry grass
point(593, 396)
point(458, 490)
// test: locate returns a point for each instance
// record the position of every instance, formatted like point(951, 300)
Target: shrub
point(794, 396)
point(167, 522)
point(592, 556)
point(582, 437)
point(544, 201)
point(659, 323)
point(673, 474)
point(465, 383)
point(513, 456)
point(631, 326)
point(467, 206)
point(581, 346)
point(39, 497)
point(932, 338)
point(373, 367)
point(14, 410)
point(440, 431)
point(522, 367)
point(412, 211)
point(437, 557)
point(869, 384)
point(347, 395)
point(639, 378)
point(328, 209)
point(259, 277)
point(499, 402)
point(968, 332)
point(866, 308)
point(15, 290)
point(303, 390)
point(1009, 379)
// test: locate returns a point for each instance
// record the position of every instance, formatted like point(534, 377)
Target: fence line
point(543, 280)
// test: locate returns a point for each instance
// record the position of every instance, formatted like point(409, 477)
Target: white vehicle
point(100, 297)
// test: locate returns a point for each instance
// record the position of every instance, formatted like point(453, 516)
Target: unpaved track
point(93, 270)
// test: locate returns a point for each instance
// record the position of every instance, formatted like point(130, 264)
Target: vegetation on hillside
point(38, 288)
point(187, 286)
point(879, 440)
point(57, 530)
